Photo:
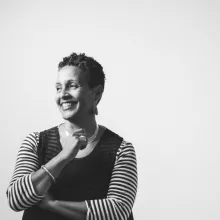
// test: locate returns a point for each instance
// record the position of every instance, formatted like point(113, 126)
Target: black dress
point(82, 179)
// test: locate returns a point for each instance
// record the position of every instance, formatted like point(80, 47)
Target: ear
point(97, 91)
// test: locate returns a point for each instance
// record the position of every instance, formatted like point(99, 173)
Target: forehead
point(68, 73)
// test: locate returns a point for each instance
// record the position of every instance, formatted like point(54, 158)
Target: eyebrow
point(68, 81)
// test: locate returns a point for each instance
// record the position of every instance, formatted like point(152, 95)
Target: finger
point(79, 134)
point(78, 131)
point(81, 138)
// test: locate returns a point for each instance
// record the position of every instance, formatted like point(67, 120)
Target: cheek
point(56, 99)
point(87, 101)
point(90, 103)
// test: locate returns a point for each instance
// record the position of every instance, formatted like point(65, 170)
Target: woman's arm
point(71, 210)
point(120, 197)
point(122, 189)
point(29, 183)
point(21, 193)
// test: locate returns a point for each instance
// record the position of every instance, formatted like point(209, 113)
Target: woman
point(79, 169)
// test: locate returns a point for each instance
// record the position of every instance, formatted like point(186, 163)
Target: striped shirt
point(121, 193)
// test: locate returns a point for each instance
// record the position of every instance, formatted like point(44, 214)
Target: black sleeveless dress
point(82, 179)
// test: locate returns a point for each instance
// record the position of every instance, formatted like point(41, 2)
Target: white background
point(161, 60)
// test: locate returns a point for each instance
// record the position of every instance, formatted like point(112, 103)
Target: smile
point(67, 105)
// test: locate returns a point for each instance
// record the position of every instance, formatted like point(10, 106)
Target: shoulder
point(109, 133)
point(126, 147)
point(110, 140)
point(49, 130)
point(35, 135)
point(33, 138)
point(126, 158)
point(46, 131)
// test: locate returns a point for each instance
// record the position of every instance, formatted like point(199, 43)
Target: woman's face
point(74, 98)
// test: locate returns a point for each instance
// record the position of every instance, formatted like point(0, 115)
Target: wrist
point(64, 158)
point(52, 205)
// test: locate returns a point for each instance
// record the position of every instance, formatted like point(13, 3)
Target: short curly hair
point(95, 70)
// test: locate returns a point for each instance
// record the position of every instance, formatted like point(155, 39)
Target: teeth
point(66, 105)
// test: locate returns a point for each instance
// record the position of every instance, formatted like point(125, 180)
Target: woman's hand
point(47, 202)
point(71, 144)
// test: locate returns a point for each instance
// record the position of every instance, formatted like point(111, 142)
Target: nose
point(64, 93)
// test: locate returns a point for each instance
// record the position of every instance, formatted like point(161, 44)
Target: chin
point(68, 114)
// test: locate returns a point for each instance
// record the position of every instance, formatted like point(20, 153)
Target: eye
point(58, 88)
point(73, 85)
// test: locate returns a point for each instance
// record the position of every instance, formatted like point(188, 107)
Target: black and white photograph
point(110, 110)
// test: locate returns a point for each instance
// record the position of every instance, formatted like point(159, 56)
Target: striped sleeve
point(20, 192)
point(122, 189)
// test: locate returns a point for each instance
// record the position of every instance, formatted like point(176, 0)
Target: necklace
point(90, 139)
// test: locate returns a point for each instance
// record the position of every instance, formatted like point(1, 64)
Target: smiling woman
point(79, 169)
point(74, 97)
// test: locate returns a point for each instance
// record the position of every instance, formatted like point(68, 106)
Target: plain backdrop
point(161, 60)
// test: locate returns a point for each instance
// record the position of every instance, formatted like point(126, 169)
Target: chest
point(83, 178)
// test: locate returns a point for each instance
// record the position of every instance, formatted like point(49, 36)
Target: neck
point(88, 125)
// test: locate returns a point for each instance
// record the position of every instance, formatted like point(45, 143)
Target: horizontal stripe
point(120, 197)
